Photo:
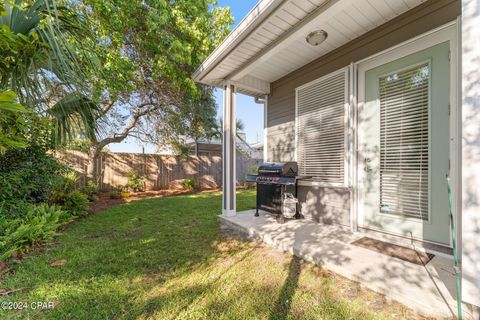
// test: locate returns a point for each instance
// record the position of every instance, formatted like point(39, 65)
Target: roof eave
point(256, 16)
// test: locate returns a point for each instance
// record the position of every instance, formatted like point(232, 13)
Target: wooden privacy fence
point(158, 171)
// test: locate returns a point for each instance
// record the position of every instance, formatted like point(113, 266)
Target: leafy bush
point(12, 122)
point(76, 203)
point(38, 224)
point(91, 190)
point(57, 196)
point(69, 179)
point(189, 184)
point(78, 145)
point(27, 175)
point(12, 208)
point(65, 183)
point(115, 193)
point(135, 181)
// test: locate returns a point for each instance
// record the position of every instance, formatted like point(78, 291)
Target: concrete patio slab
point(430, 289)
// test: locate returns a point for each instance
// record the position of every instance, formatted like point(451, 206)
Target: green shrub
point(27, 175)
point(189, 184)
point(57, 196)
point(91, 190)
point(82, 145)
point(135, 181)
point(69, 180)
point(115, 193)
point(13, 208)
point(76, 203)
point(39, 224)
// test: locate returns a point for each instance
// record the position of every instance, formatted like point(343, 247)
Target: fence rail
point(158, 171)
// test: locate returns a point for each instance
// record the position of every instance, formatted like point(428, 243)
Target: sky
point(248, 111)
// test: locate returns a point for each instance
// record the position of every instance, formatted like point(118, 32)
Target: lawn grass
point(166, 258)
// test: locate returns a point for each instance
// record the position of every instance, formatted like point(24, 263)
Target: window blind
point(321, 129)
point(404, 142)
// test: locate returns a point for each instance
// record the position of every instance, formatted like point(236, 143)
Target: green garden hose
point(455, 258)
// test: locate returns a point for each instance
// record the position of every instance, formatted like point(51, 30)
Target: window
point(404, 142)
point(321, 126)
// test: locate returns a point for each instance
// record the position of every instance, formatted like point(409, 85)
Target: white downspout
point(264, 100)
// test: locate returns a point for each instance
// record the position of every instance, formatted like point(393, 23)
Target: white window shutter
point(321, 128)
point(404, 142)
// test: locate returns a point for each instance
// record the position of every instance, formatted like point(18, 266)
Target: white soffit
point(270, 42)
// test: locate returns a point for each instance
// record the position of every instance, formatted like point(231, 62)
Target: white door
point(403, 145)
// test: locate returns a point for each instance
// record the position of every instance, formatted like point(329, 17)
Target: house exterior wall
point(328, 204)
point(470, 153)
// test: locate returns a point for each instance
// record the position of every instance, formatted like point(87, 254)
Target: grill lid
point(286, 169)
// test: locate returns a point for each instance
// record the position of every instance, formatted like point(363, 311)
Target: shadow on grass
point(166, 259)
point(284, 302)
point(170, 237)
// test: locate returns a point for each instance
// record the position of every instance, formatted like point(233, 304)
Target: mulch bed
point(104, 201)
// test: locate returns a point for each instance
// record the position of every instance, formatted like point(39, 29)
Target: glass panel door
point(403, 149)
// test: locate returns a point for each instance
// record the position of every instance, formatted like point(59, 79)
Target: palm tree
point(44, 38)
point(10, 112)
point(217, 132)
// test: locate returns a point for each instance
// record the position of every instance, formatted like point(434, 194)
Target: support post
point(470, 77)
point(229, 151)
point(265, 129)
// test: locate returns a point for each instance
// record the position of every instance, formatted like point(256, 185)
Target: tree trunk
point(95, 173)
point(94, 169)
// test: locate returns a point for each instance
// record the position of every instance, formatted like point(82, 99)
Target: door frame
point(447, 32)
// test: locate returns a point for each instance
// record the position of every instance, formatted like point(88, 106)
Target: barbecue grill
point(277, 188)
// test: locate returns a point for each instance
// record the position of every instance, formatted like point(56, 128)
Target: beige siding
point(281, 101)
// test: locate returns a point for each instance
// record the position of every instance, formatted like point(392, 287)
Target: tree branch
point(107, 106)
point(117, 138)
